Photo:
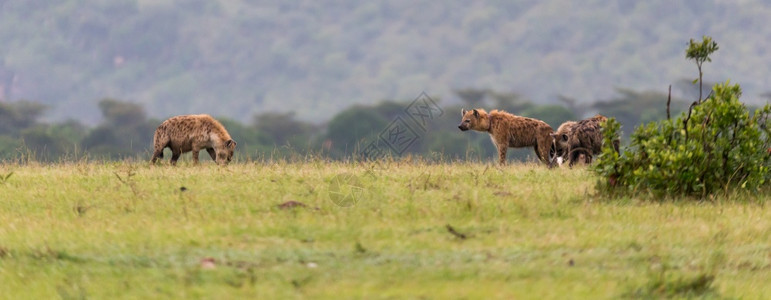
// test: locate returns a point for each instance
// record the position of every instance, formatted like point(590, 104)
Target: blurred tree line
point(126, 130)
point(314, 57)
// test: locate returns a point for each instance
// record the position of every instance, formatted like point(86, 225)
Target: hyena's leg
point(574, 156)
point(157, 151)
point(502, 154)
point(542, 149)
point(157, 154)
point(212, 153)
point(195, 156)
point(175, 156)
point(538, 152)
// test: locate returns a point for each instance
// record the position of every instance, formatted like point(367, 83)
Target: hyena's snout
point(462, 127)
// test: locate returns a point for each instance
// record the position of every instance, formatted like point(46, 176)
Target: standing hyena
point(193, 133)
point(573, 139)
point(507, 130)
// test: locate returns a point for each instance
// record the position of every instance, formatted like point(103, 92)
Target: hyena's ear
point(230, 144)
point(476, 113)
point(462, 112)
point(564, 137)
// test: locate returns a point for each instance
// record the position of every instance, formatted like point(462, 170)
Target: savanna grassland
point(400, 229)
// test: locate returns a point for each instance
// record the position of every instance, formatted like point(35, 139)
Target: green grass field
point(128, 230)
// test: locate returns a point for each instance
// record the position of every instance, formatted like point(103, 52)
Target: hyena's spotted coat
point(577, 138)
point(193, 133)
point(508, 130)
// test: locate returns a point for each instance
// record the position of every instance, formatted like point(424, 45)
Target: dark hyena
point(558, 145)
point(508, 130)
point(193, 133)
point(576, 139)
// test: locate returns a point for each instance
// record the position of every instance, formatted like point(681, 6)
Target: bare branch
point(669, 100)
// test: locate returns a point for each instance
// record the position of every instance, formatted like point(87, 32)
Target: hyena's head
point(559, 142)
point(475, 119)
point(226, 155)
point(559, 148)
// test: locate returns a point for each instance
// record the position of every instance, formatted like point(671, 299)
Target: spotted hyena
point(193, 133)
point(508, 130)
point(558, 145)
point(578, 141)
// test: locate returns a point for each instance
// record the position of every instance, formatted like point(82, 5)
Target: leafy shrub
point(717, 145)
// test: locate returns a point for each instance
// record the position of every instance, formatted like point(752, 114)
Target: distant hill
point(237, 58)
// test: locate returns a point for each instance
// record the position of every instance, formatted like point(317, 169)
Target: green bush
point(719, 146)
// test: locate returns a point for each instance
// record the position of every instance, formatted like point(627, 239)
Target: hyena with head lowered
point(558, 145)
point(575, 139)
point(193, 133)
point(508, 130)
